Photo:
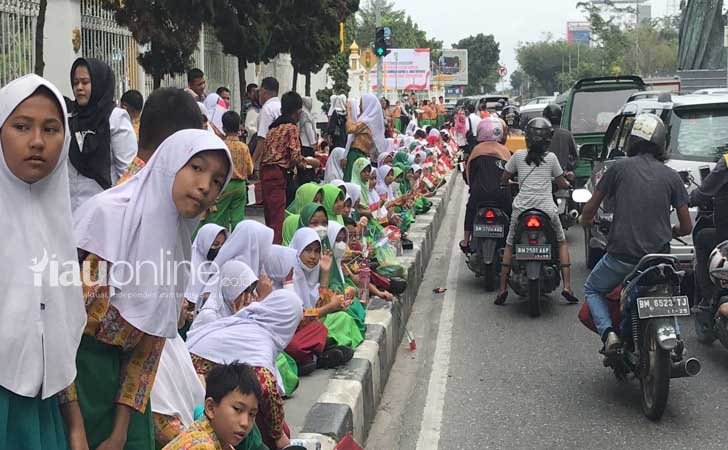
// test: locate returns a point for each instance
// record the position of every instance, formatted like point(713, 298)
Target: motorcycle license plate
point(533, 252)
point(649, 307)
point(488, 231)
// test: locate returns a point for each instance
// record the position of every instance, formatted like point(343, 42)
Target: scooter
point(710, 324)
point(568, 211)
point(535, 264)
point(488, 241)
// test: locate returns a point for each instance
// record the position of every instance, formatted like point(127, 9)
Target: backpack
point(470, 136)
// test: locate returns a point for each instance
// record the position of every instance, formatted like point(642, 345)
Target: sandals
point(501, 298)
point(465, 248)
point(571, 298)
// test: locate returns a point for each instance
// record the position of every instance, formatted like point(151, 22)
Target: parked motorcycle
point(488, 241)
point(535, 264)
point(710, 324)
point(649, 304)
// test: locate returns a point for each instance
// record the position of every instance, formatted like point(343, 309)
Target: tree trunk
point(295, 78)
point(40, 24)
point(308, 84)
point(242, 65)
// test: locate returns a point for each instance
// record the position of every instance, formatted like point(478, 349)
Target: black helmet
point(552, 113)
point(538, 133)
point(511, 116)
point(648, 135)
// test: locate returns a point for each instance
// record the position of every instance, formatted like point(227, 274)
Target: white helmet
point(718, 264)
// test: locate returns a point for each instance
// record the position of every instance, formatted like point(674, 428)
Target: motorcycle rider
point(643, 190)
point(562, 143)
point(713, 188)
point(536, 168)
point(483, 171)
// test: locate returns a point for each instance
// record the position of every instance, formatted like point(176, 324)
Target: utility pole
point(378, 22)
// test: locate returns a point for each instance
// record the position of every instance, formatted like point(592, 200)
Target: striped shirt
point(535, 182)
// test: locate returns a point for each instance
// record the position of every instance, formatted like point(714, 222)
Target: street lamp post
point(378, 22)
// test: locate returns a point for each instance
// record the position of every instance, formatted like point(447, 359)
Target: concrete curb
point(354, 391)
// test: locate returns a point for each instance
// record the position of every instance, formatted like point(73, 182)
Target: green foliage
point(483, 57)
point(517, 80)
point(169, 28)
point(338, 71)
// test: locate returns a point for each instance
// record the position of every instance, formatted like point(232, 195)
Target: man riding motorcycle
point(714, 186)
point(536, 167)
point(643, 189)
point(483, 171)
point(562, 143)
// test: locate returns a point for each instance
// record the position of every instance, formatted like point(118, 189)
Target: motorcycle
point(650, 302)
point(535, 264)
point(710, 324)
point(488, 241)
point(568, 211)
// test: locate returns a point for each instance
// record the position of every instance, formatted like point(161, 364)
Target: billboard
point(405, 69)
point(578, 33)
point(452, 67)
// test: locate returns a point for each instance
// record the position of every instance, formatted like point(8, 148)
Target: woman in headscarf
point(150, 216)
point(334, 202)
point(305, 194)
point(255, 335)
point(337, 121)
point(309, 140)
point(103, 142)
point(483, 171)
point(38, 360)
point(367, 133)
point(231, 291)
point(335, 165)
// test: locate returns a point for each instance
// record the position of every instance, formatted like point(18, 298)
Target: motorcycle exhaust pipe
point(573, 214)
point(685, 368)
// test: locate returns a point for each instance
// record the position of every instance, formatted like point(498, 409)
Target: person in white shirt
point(103, 141)
point(252, 112)
point(269, 112)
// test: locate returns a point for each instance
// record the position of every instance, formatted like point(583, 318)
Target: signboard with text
point(405, 69)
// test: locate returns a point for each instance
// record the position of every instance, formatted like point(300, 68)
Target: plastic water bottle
point(365, 275)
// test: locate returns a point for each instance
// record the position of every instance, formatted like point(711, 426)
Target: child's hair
point(290, 103)
point(167, 111)
point(420, 134)
point(231, 122)
point(226, 378)
point(134, 99)
point(349, 222)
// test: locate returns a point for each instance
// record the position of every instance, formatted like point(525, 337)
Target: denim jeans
point(606, 275)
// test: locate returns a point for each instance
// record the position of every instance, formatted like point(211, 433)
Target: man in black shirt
point(562, 143)
point(641, 223)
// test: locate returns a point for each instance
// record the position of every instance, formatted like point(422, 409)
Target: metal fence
point(103, 38)
point(17, 38)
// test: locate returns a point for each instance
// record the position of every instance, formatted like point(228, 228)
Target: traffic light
point(381, 44)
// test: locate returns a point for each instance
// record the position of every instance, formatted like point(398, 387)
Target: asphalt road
point(485, 376)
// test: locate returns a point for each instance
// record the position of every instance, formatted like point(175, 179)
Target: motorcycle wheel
point(655, 368)
point(534, 298)
point(592, 255)
point(703, 328)
point(489, 277)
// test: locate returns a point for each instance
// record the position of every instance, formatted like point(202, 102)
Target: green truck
point(589, 107)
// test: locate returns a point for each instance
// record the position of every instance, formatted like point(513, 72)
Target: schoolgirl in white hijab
point(341, 184)
point(199, 269)
point(339, 248)
point(235, 279)
point(40, 325)
point(250, 242)
point(138, 222)
point(306, 279)
point(280, 264)
point(333, 169)
point(215, 107)
point(375, 199)
point(353, 190)
point(383, 189)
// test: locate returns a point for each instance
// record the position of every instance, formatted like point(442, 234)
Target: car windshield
point(699, 134)
point(593, 111)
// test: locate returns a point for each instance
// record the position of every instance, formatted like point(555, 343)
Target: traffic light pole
point(378, 22)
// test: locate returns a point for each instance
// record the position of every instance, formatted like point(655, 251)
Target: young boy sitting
point(231, 403)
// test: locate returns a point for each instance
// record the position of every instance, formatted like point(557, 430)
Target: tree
point(517, 79)
point(170, 30)
point(39, 25)
point(247, 29)
point(338, 70)
point(483, 57)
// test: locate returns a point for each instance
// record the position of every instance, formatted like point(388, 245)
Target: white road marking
point(429, 438)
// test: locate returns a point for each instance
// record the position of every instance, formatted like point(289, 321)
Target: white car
point(534, 108)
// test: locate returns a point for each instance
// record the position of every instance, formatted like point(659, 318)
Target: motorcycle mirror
point(581, 195)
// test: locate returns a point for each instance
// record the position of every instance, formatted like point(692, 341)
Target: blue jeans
point(606, 275)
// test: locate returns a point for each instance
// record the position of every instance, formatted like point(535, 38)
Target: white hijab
point(250, 242)
point(40, 325)
point(333, 169)
point(373, 117)
point(177, 389)
point(382, 188)
point(334, 229)
point(215, 109)
point(235, 278)
point(255, 335)
point(280, 263)
point(200, 248)
point(138, 222)
point(353, 190)
point(341, 184)
point(338, 104)
point(306, 279)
